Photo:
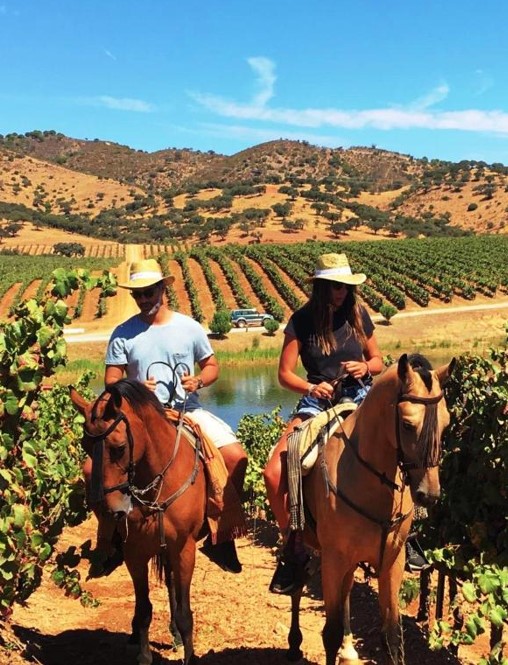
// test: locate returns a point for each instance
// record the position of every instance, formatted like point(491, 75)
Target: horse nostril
point(119, 514)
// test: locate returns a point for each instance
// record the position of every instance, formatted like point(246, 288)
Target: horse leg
point(389, 585)
point(170, 585)
point(347, 652)
point(143, 610)
point(182, 564)
point(294, 652)
point(335, 591)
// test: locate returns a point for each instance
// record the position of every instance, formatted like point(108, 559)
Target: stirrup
point(290, 575)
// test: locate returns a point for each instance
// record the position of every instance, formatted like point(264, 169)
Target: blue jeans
point(311, 406)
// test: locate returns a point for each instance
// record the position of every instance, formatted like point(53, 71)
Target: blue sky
point(422, 77)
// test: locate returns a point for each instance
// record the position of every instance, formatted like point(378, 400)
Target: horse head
point(421, 418)
point(115, 437)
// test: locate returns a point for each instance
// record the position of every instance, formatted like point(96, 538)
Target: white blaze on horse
point(360, 496)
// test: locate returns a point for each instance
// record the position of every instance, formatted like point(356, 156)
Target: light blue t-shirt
point(163, 351)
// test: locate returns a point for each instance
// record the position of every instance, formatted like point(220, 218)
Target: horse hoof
point(294, 656)
point(145, 658)
point(348, 656)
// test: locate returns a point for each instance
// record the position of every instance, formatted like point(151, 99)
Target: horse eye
point(409, 427)
point(116, 453)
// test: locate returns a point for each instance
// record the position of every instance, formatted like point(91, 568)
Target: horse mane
point(136, 393)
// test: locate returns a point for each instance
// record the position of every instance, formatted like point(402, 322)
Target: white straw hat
point(335, 268)
point(145, 273)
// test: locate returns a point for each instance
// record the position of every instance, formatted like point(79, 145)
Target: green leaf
point(19, 514)
point(44, 336)
point(469, 592)
point(496, 616)
point(11, 403)
point(471, 628)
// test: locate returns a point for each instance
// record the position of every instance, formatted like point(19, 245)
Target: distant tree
point(387, 311)
point(282, 209)
point(338, 228)
point(221, 323)
point(69, 249)
point(13, 228)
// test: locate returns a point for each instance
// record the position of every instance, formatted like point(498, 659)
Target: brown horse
point(153, 481)
point(359, 502)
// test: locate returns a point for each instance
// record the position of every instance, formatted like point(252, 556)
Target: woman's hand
point(323, 390)
point(356, 368)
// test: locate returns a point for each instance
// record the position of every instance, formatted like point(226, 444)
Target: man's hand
point(150, 383)
point(190, 383)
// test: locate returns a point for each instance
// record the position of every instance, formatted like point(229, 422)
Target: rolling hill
point(276, 191)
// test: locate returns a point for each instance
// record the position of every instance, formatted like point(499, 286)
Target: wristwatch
point(200, 383)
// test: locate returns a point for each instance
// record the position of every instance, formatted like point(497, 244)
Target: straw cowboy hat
point(145, 273)
point(335, 268)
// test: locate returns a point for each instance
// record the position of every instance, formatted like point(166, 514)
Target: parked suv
point(241, 318)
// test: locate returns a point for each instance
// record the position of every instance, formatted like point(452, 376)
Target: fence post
point(424, 605)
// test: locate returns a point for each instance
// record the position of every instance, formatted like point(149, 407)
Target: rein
point(386, 525)
point(98, 491)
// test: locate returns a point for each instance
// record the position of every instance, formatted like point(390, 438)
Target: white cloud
point(109, 54)
point(417, 114)
point(483, 82)
point(431, 98)
point(265, 69)
point(118, 103)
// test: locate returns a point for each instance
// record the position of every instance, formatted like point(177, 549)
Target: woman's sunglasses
point(143, 293)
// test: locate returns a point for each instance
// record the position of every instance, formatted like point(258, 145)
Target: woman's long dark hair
point(322, 313)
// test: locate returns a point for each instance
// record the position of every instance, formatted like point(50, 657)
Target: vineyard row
point(274, 277)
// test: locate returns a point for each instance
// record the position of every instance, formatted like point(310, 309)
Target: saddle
point(304, 444)
point(224, 512)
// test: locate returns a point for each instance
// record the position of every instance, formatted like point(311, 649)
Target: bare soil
point(237, 620)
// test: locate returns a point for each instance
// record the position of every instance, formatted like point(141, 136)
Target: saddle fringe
point(224, 512)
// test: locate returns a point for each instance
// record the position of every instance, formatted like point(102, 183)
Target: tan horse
point(358, 496)
point(153, 481)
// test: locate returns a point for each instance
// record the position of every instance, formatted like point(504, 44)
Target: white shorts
point(218, 431)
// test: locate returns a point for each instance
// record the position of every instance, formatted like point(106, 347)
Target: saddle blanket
point(316, 430)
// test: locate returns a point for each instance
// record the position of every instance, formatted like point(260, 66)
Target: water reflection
point(247, 389)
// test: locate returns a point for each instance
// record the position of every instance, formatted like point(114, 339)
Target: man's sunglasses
point(145, 293)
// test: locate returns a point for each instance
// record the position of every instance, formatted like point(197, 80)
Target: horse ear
point(79, 402)
point(445, 371)
point(403, 367)
point(405, 371)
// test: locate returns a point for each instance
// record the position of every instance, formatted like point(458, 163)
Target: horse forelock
point(136, 394)
point(423, 367)
point(429, 440)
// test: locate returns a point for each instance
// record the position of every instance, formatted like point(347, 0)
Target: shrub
point(271, 326)
point(387, 311)
point(221, 323)
point(472, 206)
